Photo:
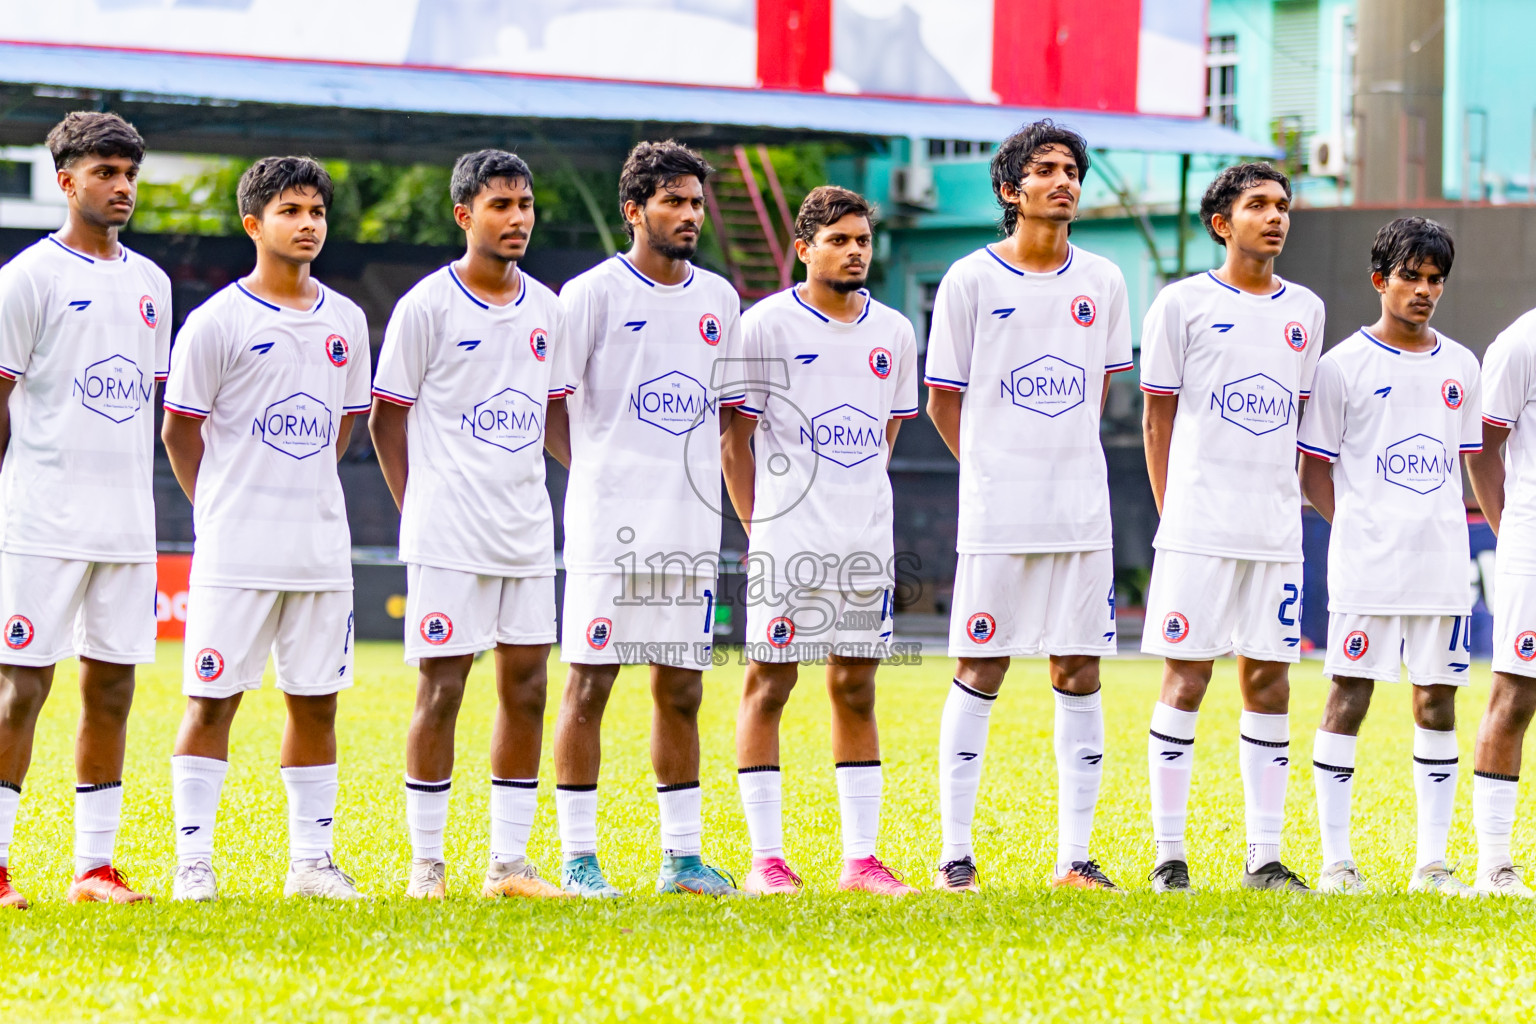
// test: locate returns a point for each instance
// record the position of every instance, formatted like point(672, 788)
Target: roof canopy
point(242, 105)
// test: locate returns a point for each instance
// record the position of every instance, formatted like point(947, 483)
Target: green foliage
point(203, 204)
point(1017, 952)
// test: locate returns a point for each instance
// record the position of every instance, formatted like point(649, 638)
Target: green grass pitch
point(1017, 952)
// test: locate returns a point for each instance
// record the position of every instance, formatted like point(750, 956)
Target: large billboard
point(1120, 55)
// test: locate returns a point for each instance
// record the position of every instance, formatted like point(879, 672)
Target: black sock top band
point(96, 787)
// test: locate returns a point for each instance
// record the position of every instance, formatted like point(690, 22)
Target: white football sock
point(962, 748)
point(1079, 767)
point(576, 812)
point(1333, 773)
point(762, 801)
point(97, 810)
point(1264, 758)
point(859, 787)
point(513, 804)
point(1434, 783)
point(1493, 817)
point(1170, 763)
point(10, 800)
point(195, 786)
point(682, 828)
point(311, 809)
point(426, 815)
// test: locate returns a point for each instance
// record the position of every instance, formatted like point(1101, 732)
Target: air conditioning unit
point(912, 185)
point(1326, 156)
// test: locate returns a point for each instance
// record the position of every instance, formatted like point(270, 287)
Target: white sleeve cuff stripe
point(1321, 453)
point(1119, 367)
point(187, 410)
point(1154, 389)
point(1497, 421)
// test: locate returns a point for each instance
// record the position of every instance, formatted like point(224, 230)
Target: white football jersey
point(1509, 400)
point(648, 368)
point(85, 340)
point(1030, 352)
point(476, 378)
point(823, 392)
point(271, 385)
point(1392, 423)
point(1241, 365)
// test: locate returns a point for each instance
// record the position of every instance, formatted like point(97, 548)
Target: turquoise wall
point(1489, 66)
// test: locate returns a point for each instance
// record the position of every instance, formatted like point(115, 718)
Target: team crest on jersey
point(1295, 336)
point(709, 329)
point(980, 627)
point(1175, 628)
point(599, 632)
point(780, 632)
point(18, 632)
point(539, 342)
point(1453, 393)
point(880, 362)
point(208, 665)
point(1525, 646)
point(147, 311)
point(436, 628)
point(1083, 311)
point(1355, 645)
point(337, 350)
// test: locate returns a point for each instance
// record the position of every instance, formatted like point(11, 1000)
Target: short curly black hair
point(828, 204)
point(472, 172)
point(271, 176)
point(93, 133)
point(653, 165)
point(1012, 159)
point(1409, 242)
point(1231, 183)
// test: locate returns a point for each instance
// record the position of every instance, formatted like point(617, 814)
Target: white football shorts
point(622, 619)
point(230, 632)
point(787, 623)
point(1514, 624)
point(1200, 607)
point(450, 612)
point(1059, 604)
point(56, 608)
point(1437, 648)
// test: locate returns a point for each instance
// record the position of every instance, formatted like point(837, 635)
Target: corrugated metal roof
point(152, 77)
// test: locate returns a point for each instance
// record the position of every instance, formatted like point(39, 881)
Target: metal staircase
point(755, 229)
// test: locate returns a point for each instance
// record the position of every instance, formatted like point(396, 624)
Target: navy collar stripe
point(253, 298)
point(1071, 253)
point(279, 309)
point(1399, 351)
point(794, 291)
point(467, 293)
point(122, 249)
point(1275, 295)
point(652, 284)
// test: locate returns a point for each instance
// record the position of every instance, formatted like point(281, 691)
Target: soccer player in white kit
point(1226, 360)
point(1391, 407)
point(652, 351)
point(84, 335)
point(458, 424)
point(1025, 335)
point(1509, 505)
point(832, 373)
point(265, 379)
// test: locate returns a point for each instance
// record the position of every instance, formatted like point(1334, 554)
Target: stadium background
point(1377, 107)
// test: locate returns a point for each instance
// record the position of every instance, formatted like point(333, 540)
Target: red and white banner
point(1113, 55)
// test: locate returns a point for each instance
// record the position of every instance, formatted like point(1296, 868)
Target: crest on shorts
point(1175, 628)
point(880, 362)
point(147, 311)
point(1083, 311)
point(1295, 336)
point(709, 329)
point(980, 627)
point(436, 628)
point(1453, 393)
point(336, 350)
point(1355, 645)
point(18, 632)
point(1525, 646)
point(599, 632)
point(208, 665)
point(781, 631)
point(538, 341)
